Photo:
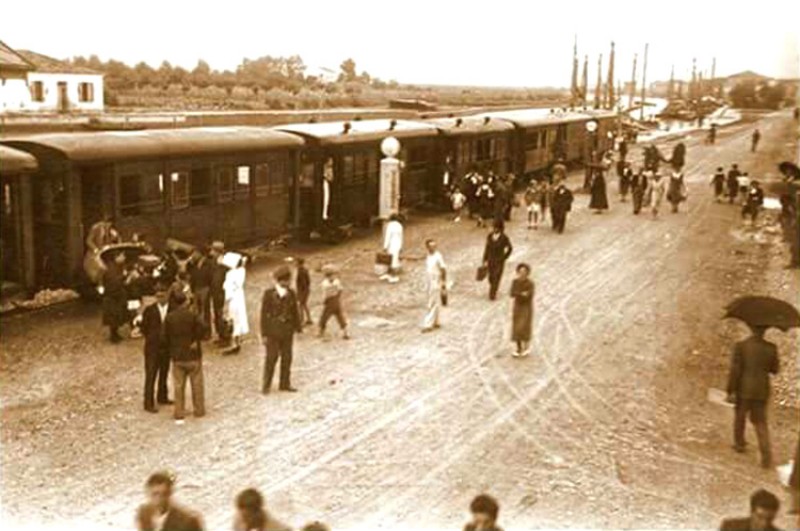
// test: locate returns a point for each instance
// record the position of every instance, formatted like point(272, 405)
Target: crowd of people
point(203, 291)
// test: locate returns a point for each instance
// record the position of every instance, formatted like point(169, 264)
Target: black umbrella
point(789, 169)
point(764, 311)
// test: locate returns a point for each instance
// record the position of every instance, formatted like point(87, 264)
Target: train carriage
point(347, 155)
point(232, 183)
point(16, 218)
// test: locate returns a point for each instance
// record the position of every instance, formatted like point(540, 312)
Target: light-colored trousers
point(434, 304)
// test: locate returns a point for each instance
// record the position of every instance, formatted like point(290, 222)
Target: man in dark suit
point(201, 271)
point(156, 356)
point(560, 205)
point(763, 509)
point(160, 513)
point(752, 362)
point(217, 292)
point(280, 319)
point(184, 330)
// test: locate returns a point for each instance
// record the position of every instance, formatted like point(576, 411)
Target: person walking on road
point(752, 362)
point(302, 283)
point(485, 511)
point(560, 205)
point(184, 330)
point(676, 190)
point(156, 354)
point(599, 198)
point(495, 253)
point(657, 190)
point(332, 301)
point(625, 178)
point(763, 510)
point(733, 183)
point(533, 204)
point(522, 291)
point(755, 140)
point(160, 513)
point(639, 185)
point(718, 182)
point(436, 278)
point(754, 201)
point(393, 244)
point(234, 296)
point(280, 320)
point(251, 515)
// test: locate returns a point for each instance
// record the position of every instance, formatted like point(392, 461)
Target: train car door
point(310, 200)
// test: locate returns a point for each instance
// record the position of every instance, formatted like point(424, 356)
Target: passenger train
point(249, 184)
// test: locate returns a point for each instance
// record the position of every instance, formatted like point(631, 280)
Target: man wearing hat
point(280, 319)
point(217, 291)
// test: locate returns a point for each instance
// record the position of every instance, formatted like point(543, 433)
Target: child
point(533, 202)
point(332, 301)
point(458, 199)
point(303, 288)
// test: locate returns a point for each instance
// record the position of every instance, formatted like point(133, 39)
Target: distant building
point(32, 82)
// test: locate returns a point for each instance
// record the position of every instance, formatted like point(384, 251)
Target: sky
point(486, 43)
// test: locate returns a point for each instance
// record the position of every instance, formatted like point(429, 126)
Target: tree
point(348, 70)
point(144, 74)
point(743, 94)
point(201, 75)
point(163, 74)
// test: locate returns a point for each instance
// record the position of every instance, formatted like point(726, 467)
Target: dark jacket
point(752, 362)
point(201, 273)
point(184, 330)
point(178, 519)
point(218, 272)
point(280, 317)
point(153, 329)
point(562, 199)
point(303, 282)
point(740, 524)
point(115, 297)
point(497, 250)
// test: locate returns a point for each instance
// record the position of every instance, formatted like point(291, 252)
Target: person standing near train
point(115, 297)
point(436, 278)
point(217, 292)
point(393, 244)
point(495, 253)
point(560, 205)
point(280, 320)
point(599, 199)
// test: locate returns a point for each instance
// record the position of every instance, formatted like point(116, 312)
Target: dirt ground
point(606, 425)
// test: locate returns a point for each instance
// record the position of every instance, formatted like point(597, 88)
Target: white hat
point(231, 260)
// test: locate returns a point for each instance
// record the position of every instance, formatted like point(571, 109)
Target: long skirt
point(522, 317)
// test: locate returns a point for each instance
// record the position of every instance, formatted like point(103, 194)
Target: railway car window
point(373, 167)
point(179, 189)
point(500, 148)
point(279, 178)
point(233, 183)
point(262, 179)
point(200, 187)
point(141, 193)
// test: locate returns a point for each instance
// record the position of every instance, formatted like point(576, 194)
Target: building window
point(200, 187)
point(37, 91)
point(179, 189)
point(141, 193)
point(86, 92)
point(233, 183)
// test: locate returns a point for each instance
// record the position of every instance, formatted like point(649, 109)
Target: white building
point(31, 82)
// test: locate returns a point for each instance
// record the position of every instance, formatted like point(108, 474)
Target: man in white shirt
point(393, 244)
point(436, 274)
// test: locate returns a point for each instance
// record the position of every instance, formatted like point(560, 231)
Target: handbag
point(383, 258)
point(481, 273)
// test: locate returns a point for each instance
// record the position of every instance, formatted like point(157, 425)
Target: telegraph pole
point(598, 89)
point(632, 91)
point(644, 80)
point(610, 87)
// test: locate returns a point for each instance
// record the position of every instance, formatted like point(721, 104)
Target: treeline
point(761, 95)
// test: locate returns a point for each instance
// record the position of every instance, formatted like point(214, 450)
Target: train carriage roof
point(159, 143)
point(333, 133)
point(13, 161)
point(537, 117)
point(470, 125)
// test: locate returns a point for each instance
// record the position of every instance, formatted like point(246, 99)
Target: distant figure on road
point(733, 183)
point(302, 283)
point(639, 185)
point(436, 277)
point(676, 191)
point(522, 291)
point(457, 201)
point(484, 511)
point(560, 205)
point(280, 319)
point(160, 513)
point(744, 185)
point(754, 200)
point(495, 253)
point(393, 244)
point(718, 182)
point(156, 354)
point(184, 330)
point(712, 135)
point(657, 190)
point(752, 362)
point(251, 515)
point(486, 198)
point(115, 297)
point(625, 179)
point(533, 203)
point(332, 301)
point(234, 296)
point(754, 140)
point(599, 199)
point(763, 509)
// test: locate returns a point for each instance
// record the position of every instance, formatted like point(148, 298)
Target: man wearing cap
point(280, 319)
point(217, 291)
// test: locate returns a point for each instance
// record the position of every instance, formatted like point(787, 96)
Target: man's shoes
point(288, 389)
point(166, 402)
point(151, 409)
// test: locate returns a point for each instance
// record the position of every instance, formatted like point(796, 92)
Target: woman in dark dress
point(498, 249)
point(599, 201)
point(522, 291)
point(115, 297)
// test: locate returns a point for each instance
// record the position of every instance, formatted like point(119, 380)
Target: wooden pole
point(644, 81)
point(632, 92)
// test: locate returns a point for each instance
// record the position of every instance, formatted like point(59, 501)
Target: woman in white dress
point(393, 244)
point(234, 296)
